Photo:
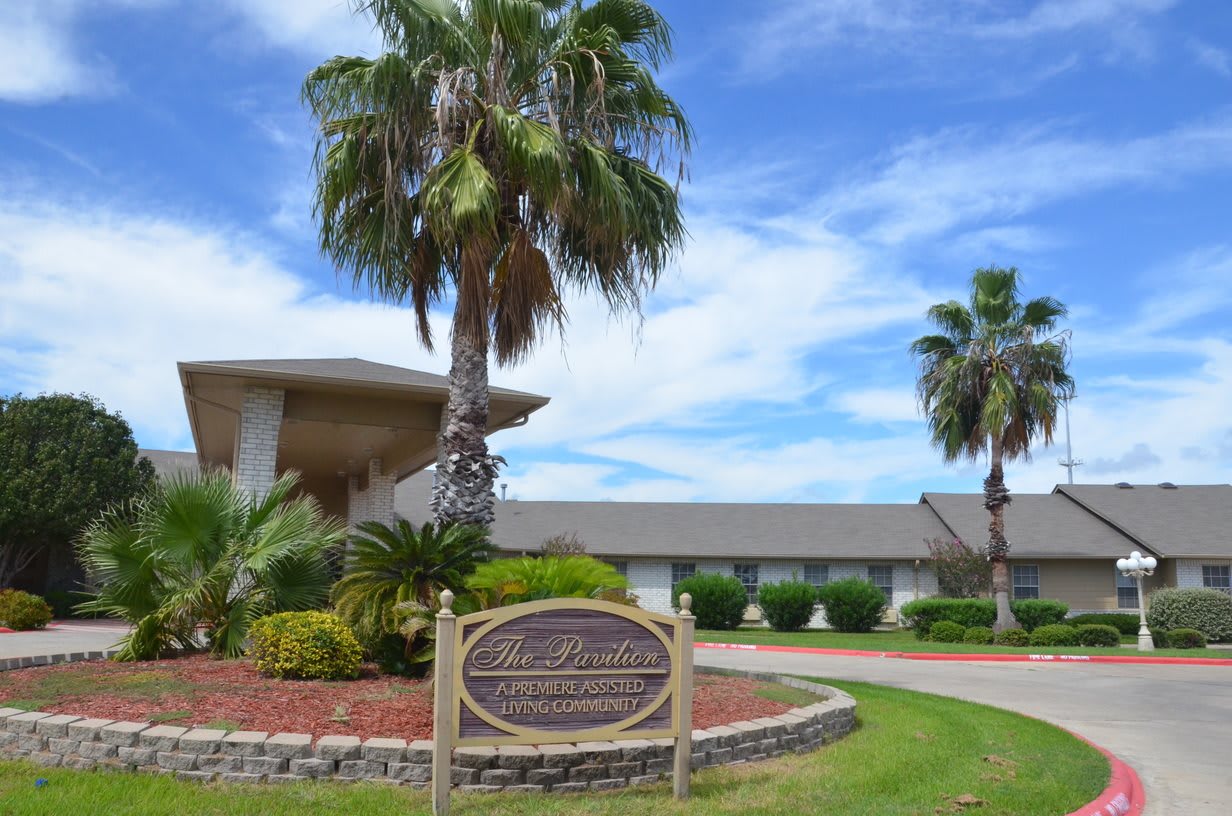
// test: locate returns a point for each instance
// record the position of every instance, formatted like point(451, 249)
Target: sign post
point(681, 770)
point(564, 670)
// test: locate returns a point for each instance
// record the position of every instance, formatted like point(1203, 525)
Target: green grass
point(788, 696)
point(911, 755)
point(168, 716)
point(224, 725)
point(904, 640)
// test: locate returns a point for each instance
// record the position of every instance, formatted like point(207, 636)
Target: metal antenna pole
point(1069, 462)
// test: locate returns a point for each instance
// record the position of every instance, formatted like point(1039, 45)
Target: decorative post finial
point(686, 603)
point(446, 603)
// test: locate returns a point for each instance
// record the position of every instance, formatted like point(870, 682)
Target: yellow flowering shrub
point(305, 646)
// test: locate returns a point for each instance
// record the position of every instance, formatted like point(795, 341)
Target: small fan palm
point(516, 580)
point(390, 566)
point(993, 380)
point(200, 555)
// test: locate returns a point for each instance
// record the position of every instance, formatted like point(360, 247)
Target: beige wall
point(1086, 584)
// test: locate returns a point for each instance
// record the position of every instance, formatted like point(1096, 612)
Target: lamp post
point(1137, 566)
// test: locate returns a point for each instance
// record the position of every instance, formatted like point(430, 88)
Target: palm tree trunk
point(465, 470)
point(996, 496)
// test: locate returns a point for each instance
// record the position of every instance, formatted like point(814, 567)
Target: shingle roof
point(350, 368)
point(1184, 521)
point(168, 462)
point(712, 530)
point(1037, 525)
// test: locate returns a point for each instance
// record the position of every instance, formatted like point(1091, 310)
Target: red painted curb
point(4, 630)
point(1124, 795)
point(983, 658)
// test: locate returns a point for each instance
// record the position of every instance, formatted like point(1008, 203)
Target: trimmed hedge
point(719, 601)
point(21, 611)
point(946, 632)
point(1186, 639)
point(981, 635)
point(967, 612)
point(852, 604)
point(305, 646)
point(788, 606)
point(1097, 634)
point(1013, 637)
point(1124, 623)
point(1159, 637)
point(1033, 614)
point(1207, 610)
point(1055, 634)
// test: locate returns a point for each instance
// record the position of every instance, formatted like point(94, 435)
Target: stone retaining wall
point(204, 755)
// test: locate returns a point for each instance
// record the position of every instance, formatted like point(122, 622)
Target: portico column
point(256, 456)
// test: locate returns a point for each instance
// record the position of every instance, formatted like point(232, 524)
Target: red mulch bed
point(232, 690)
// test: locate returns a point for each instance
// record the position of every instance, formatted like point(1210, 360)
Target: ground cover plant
point(910, 754)
point(233, 694)
point(196, 560)
point(902, 640)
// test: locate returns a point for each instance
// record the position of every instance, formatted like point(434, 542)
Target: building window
point(1216, 577)
point(680, 572)
point(621, 566)
point(883, 576)
point(1127, 591)
point(817, 574)
point(747, 573)
point(1026, 582)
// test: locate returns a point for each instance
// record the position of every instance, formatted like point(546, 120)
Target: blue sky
point(856, 160)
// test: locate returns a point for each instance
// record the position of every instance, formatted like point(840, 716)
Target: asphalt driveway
point(63, 638)
point(1173, 724)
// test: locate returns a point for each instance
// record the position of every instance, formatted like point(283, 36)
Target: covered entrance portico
point(351, 427)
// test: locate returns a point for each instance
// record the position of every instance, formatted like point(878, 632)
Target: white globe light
point(1123, 564)
point(1135, 556)
point(1149, 562)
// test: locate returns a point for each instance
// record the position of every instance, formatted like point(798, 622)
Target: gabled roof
point(1184, 521)
point(1037, 525)
point(705, 530)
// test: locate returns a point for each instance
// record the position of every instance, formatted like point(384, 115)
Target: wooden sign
point(561, 670)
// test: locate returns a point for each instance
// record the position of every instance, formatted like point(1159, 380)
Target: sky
point(856, 160)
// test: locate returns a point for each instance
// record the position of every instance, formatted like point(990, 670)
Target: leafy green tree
point(502, 153)
point(388, 566)
point(962, 571)
point(991, 382)
point(63, 460)
point(198, 553)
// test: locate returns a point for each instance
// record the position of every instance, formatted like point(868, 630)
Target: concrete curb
point(980, 658)
point(1124, 795)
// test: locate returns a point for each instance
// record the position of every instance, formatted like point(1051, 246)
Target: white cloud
point(39, 60)
point(879, 405)
point(322, 28)
point(1215, 59)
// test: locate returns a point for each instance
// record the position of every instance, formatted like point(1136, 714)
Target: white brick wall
point(1189, 571)
point(376, 503)
point(260, 422)
point(651, 578)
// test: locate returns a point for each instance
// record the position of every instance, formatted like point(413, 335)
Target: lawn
point(911, 754)
point(904, 640)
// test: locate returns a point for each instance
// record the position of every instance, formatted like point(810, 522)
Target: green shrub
point(1159, 637)
point(1207, 610)
point(982, 635)
point(506, 581)
point(968, 612)
point(852, 604)
point(788, 606)
point(946, 632)
point(21, 610)
point(1124, 623)
point(1055, 634)
point(305, 646)
point(1034, 613)
point(1098, 634)
point(1013, 637)
point(1186, 639)
point(719, 601)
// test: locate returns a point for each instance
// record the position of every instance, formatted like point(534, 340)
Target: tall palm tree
point(502, 153)
point(992, 381)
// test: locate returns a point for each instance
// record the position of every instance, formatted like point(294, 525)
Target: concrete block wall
point(1189, 571)
point(260, 423)
point(205, 755)
point(651, 578)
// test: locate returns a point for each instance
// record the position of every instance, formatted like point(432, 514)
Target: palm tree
point(992, 380)
point(504, 152)
point(386, 567)
point(197, 553)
